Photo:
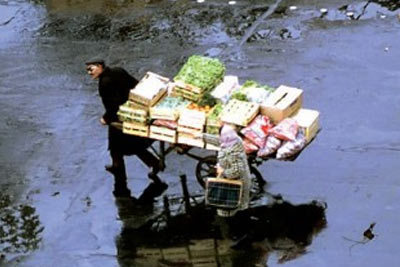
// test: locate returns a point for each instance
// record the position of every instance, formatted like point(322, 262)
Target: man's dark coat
point(114, 87)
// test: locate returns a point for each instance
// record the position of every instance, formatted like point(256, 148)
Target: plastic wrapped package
point(290, 148)
point(257, 130)
point(271, 145)
point(285, 130)
point(249, 147)
point(224, 90)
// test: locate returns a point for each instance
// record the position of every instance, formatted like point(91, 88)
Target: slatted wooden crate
point(176, 254)
point(188, 87)
point(163, 134)
point(211, 147)
point(132, 115)
point(190, 140)
point(192, 96)
point(135, 129)
point(239, 112)
point(192, 118)
point(138, 99)
point(167, 113)
point(195, 131)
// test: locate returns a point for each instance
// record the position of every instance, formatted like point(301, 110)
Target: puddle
point(20, 229)
point(171, 233)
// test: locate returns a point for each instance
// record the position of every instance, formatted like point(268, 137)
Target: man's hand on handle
point(102, 121)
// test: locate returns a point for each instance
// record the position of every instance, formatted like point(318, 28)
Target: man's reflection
point(200, 238)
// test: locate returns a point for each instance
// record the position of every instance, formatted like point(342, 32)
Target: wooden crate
point(239, 112)
point(134, 105)
point(139, 99)
point(195, 131)
point(192, 118)
point(209, 146)
point(135, 129)
point(163, 113)
point(149, 253)
point(186, 139)
point(163, 134)
point(176, 254)
point(188, 87)
point(192, 96)
point(132, 115)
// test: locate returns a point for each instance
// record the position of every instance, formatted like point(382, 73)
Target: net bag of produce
point(271, 145)
point(257, 130)
point(290, 148)
point(285, 130)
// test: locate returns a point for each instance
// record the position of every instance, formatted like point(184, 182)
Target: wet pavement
point(57, 208)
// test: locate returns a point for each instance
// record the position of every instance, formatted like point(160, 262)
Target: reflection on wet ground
point(194, 236)
point(20, 229)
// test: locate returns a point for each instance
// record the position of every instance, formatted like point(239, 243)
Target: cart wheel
point(206, 168)
point(258, 182)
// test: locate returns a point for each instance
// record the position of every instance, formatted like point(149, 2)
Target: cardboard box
point(282, 103)
point(308, 121)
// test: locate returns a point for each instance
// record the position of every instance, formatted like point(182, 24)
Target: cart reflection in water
point(182, 231)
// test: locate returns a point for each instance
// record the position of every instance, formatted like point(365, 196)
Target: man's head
point(95, 67)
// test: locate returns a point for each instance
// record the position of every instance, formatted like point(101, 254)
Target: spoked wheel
point(257, 183)
point(207, 168)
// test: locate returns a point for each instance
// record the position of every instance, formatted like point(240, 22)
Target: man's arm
point(110, 101)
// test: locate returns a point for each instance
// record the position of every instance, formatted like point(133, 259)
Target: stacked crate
point(191, 126)
point(197, 76)
point(166, 110)
point(187, 91)
point(212, 128)
point(239, 112)
point(135, 112)
point(134, 120)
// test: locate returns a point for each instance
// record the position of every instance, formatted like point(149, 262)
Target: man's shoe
point(111, 169)
point(154, 177)
point(122, 192)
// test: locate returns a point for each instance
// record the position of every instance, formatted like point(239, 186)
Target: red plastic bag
point(285, 130)
point(257, 130)
point(271, 145)
point(249, 147)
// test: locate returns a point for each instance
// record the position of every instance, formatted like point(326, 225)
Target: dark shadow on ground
point(198, 237)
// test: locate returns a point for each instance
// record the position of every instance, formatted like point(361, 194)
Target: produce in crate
point(255, 92)
point(202, 72)
point(224, 90)
point(168, 108)
point(214, 123)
